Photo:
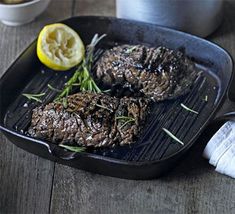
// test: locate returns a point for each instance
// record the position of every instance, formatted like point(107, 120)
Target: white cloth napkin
point(220, 150)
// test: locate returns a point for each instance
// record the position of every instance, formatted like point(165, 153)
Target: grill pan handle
point(227, 110)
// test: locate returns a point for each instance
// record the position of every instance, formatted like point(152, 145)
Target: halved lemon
point(59, 47)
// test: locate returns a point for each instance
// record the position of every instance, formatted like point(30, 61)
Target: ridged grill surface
point(153, 143)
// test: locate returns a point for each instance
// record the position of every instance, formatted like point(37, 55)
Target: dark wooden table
point(29, 184)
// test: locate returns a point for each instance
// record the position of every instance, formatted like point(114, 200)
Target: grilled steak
point(158, 73)
point(136, 75)
point(90, 120)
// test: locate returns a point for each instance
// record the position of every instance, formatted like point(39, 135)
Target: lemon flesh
point(59, 47)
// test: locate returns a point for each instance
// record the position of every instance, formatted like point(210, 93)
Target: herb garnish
point(107, 91)
point(52, 88)
point(104, 107)
point(206, 98)
point(126, 120)
point(34, 97)
point(65, 102)
point(81, 76)
point(130, 50)
point(173, 136)
point(188, 109)
point(73, 148)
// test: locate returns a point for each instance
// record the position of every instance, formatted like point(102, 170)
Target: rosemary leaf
point(34, 97)
point(104, 107)
point(95, 87)
point(206, 98)
point(37, 95)
point(76, 84)
point(65, 102)
point(125, 119)
point(173, 136)
point(188, 109)
point(130, 50)
point(69, 85)
point(107, 91)
point(52, 88)
point(73, 148)
point(128, 121)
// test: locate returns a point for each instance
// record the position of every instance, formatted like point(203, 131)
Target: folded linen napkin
point(220, 150)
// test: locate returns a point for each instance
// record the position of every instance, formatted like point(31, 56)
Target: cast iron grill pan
point(153, 145)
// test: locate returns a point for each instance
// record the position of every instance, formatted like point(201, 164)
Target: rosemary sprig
point(124, 124)
point(87, 82)
point(73, 148)
point(69, 85)
point(130, 50)
point(65, 102)
point(126, 120)
point(76, 84)
point(173, 136)
point(81, 76)
point(104, 107)
point(34, 97)
point(107, 91)
point(188, 109)
point(52, 88)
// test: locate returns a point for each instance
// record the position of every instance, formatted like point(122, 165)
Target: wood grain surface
point(29, 184)
point(25, 180)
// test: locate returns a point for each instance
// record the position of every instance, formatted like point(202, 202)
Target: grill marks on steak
point(158, 73)
point(90, 120)
point(97, 119)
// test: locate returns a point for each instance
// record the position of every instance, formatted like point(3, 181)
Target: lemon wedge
point(59, 47)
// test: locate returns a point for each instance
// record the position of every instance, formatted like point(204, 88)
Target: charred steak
point(100, 120)
point(159, 73)
point(90, 120)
